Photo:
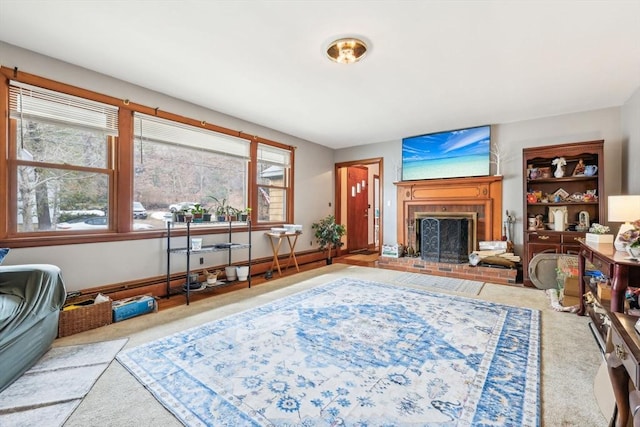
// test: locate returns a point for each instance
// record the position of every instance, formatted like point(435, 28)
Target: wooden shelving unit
point(543, 239)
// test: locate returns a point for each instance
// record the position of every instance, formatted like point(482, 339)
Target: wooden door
point(357, 208)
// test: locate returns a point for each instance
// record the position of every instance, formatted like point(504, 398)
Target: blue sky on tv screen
point(463, 152)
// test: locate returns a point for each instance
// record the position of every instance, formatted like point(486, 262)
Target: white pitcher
point(558, 220)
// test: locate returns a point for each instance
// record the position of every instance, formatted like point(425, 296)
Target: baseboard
point(157, 286)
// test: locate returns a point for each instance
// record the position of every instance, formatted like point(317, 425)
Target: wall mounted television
point(451, 154)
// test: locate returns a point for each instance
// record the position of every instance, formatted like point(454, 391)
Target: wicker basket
point(84, 318)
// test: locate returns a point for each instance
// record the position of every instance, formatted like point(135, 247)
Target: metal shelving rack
point(227, 246)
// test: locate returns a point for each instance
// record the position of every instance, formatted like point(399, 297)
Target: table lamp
point(623, 209)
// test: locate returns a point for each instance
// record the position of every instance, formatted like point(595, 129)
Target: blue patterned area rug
point(351, 353)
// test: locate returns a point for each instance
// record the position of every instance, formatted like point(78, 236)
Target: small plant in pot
point(245, 214)
point(233, 213)
point(329, 235)
point(180, 216)
point(221, 209)
point(197, 211)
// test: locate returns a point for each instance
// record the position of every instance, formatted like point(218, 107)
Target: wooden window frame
point(121, 191)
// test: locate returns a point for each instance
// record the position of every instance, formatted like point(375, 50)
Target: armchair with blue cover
point(31, 297)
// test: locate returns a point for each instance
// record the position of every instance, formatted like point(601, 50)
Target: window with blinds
point(181, 165)
point(63, 168)
point(273, 183)
point(65, 177)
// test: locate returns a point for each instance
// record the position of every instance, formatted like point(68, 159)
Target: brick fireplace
point(481, 196)
point(479, 199)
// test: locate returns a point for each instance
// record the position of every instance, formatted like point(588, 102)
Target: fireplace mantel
point(477, 194)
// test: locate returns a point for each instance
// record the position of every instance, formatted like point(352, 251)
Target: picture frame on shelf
point(560, 193)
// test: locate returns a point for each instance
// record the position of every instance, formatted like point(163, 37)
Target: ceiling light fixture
point(347, 50)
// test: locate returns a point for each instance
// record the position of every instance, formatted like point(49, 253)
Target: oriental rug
point(49, 392)
point(351, 352)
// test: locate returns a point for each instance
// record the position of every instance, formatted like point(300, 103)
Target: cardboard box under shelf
point(569, 301)
point(572, 287)
point(82, 316)
point(604, 291)
point(132, 307)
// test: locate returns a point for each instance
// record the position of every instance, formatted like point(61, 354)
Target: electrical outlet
point(311, 243)
point(201, 260)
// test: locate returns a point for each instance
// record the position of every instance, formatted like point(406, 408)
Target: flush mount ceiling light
point(346, 50)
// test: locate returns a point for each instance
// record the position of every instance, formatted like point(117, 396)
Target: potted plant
point(245, 214)
point(232, 213)
point(329, 234)
point(181, 214)
point(221, 209)
point(197, 211)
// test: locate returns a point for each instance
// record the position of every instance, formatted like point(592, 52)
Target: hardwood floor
point(177, 300)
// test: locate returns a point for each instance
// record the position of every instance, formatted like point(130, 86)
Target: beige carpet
point(570, 357)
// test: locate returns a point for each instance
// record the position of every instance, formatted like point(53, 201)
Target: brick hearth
point(505, 276)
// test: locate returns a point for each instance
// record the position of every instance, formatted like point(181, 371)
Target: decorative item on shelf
point(533, 173)
point(559, 220)
point(243, 272)
point(590, 196)
point(559, 163)
point(623, 209)
point(329, 235)
point(196, 243)
point(558, 213)
point(531, 198)
point(544, 173)
point(559, 195)
point(576, 197)
point(535, 222)
point(211, 276)
point(583, 222)
point(230, 272)
point(590, 170)
point(579, 169)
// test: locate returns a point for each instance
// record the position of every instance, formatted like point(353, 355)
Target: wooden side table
point(613, 264)
point(623, 365)
point(276, 240)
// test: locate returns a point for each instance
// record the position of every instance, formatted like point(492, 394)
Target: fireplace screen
point(444, 240)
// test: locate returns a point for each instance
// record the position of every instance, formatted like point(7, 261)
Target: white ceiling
point(432, 65)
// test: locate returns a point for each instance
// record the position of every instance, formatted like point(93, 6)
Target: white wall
point(96, 264)
point(512, 138)
point(631, 145)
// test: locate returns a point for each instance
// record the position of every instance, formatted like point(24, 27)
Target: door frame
point(379, 161)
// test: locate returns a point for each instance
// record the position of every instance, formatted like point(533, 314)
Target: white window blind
point(149, 128)
point(32, 102)
point(274, 155)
